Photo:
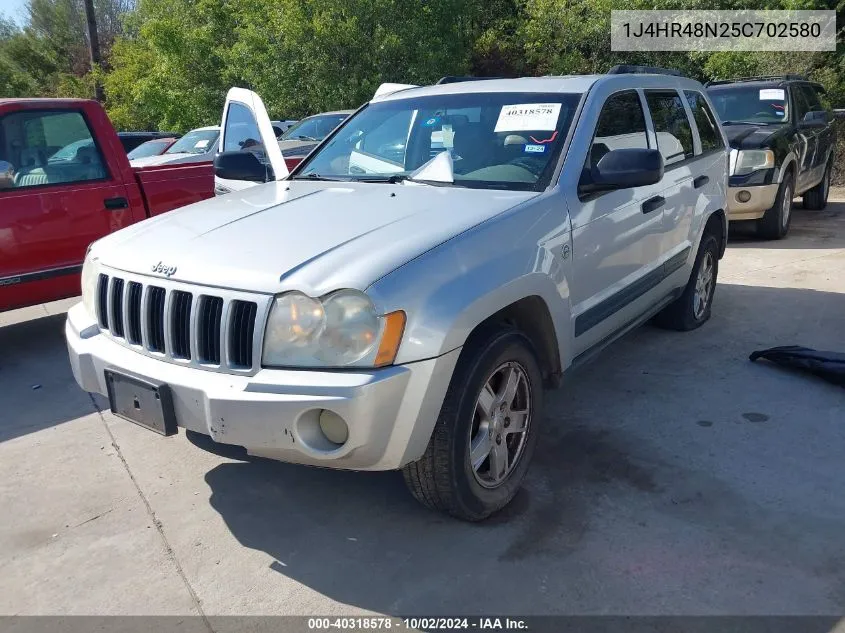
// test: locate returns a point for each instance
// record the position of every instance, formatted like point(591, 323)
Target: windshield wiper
point(302, 137)
point(747, 123)
point(319, 177)
point(391, 180)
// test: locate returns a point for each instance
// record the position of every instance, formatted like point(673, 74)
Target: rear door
point(61, 194)
point(246, 127)
point(674, 139)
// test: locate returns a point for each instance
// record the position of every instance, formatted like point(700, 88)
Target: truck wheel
point(815, 199)
point(485, 435)
point(775, 224)
point(692, 308)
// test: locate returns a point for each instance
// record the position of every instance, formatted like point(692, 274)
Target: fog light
point(333, 427)
point(743, 196)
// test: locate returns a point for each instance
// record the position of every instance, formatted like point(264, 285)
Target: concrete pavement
point(672, 477)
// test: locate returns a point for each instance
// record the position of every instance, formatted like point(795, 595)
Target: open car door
point(246, 127)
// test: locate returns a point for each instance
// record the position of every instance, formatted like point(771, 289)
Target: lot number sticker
point(772, 94)
point(528, 116)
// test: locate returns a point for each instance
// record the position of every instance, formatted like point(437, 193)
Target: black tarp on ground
point(829, 366)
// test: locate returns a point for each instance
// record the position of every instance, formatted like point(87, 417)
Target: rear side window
point(47, 148)
point(621, 125)
point(671, 125)
point(705, 121)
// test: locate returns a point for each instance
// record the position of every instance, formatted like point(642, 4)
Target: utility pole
point(93, 45)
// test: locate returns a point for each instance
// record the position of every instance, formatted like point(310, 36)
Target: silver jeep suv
point(403, 297)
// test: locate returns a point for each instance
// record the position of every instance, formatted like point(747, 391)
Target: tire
point(443, 478)
point(815, 199)
point(774, 225)
point(688, 311)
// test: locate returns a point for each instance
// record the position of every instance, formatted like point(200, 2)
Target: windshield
point(314, 128)
point(150, 148)
point(496, 140)
point(747, 104)
point(194, 142)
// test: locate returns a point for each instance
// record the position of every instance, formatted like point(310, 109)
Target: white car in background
point(196, 146)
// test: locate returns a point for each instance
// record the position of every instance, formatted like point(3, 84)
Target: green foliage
point(169, 63)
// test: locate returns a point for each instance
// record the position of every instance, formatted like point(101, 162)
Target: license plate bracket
point(145, 402)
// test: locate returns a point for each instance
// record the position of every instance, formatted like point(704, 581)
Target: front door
point(615, 234)
point(58, 195)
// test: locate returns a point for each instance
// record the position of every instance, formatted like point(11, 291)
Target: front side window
point(708, 128)
point(812, 98)
point(496, 140)
point(621, 125)
point(671, 125)
point(738, 104)
point(47, 148)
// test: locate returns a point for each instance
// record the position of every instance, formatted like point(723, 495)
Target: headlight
point(339, 330)
point(89, 285)
point(749, 160)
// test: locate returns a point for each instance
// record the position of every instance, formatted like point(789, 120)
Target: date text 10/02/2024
point(418, 623)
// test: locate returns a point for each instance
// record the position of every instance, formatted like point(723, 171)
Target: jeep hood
point(311, 236)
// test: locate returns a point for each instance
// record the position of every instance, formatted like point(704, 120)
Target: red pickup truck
point(65, 181)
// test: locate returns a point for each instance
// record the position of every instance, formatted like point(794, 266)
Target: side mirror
point(817, 118)
point(278, 131)
point(624, 169)
point(7, 175)
point(240, 165)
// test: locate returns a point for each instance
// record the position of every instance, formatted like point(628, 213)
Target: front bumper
point(390, 412)
point(762, 199)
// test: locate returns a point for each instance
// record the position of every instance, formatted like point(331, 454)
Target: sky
point(13, 9)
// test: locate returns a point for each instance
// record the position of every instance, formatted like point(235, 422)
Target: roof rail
point(451, 79)
point(632, 69)
point(719, 82)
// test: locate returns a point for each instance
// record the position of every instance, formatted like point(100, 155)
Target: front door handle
point(112, 204)
point(700, 182)
point(652, 204)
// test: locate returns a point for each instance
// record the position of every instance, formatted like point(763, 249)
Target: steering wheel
point(527, 163)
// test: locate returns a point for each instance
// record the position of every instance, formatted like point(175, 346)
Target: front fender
point(450, 290)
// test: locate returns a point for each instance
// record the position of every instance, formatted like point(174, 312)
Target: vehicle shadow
point(670, 462)
point(37, 388)
point(809, 230)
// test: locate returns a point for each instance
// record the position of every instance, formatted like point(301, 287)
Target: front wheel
point(774, 225)
point(483, 440)
point(816, 198)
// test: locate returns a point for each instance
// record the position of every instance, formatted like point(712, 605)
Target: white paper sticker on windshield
point(201, 144)
point(772, 94)
point(528, 116)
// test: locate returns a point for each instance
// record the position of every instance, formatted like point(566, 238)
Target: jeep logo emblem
point(164, 269)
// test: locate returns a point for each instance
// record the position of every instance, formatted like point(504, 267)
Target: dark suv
point(782, 141)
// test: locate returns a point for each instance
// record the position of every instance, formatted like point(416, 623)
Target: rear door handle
point(700, 181)
point(116, 203)
point(652, 204)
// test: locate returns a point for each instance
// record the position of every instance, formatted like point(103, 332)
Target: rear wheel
point(692, 309)
point(815, 199)
point(774, 225)
point(483, 440)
